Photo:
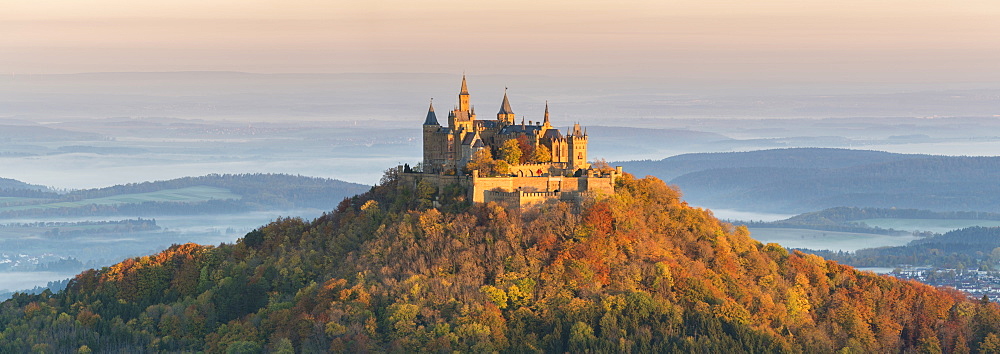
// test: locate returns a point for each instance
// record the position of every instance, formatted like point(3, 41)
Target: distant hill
point(973, 247)
point(638, 272)
point(13, 184)
point(34, 133)
point(229, 193)
point(852, 219)
point(801, 180)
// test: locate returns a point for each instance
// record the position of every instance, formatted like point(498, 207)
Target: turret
point(577, 141)
point(432, 140)
point(463, 97)
point(506, 114)
point(462, 117)
point(431, 119)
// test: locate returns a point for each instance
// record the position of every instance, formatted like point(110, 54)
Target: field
point(828, 240)
point(933, 225)
point(182, 195)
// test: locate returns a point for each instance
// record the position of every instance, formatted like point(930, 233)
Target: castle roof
point(431, 117)
point(552, 134)
point(505, 106)
point(520, 128)
point(465, 88)
point(470, 139)
point(487, 123)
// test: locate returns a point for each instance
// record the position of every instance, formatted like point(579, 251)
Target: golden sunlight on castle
point(505, 161)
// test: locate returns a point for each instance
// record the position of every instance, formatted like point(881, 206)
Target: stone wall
point(519, 190)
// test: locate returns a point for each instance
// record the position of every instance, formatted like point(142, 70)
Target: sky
point(781, 40)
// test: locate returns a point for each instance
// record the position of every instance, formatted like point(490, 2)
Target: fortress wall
point(520, 198)
point(535, 198)
point(439, 180)
point(533, 189)
point(531, 170)
point(480, 185)
point(602, 185)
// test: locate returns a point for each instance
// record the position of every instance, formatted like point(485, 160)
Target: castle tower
point(432, 144)
point(461, 119)
point(506, 115)
point(463, 97)
point(577, 148)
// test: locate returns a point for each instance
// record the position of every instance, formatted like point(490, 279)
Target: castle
point(505, 161)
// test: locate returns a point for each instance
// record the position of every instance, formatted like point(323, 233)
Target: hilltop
point(807, 179)
point(637, 271)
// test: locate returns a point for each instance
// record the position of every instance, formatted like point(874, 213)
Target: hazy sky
point(844, 40)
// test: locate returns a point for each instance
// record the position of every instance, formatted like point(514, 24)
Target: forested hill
point(639, 271)
point(13, 184)
point(801, 180)
point(972, 247)
point(229, 193)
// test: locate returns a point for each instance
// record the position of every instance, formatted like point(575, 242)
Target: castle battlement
point(502, 160)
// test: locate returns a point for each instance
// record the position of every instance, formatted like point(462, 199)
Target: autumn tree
point(482, 160)
point(601, 165)
point(527, 149)
point(511, 152)
point(542, 154)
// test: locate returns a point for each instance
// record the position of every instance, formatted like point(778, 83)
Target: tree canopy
point(636, 271)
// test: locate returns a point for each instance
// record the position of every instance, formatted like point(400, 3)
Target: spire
point(505, 106)
point(547, 113)
point(431, 117)
point(463, 97)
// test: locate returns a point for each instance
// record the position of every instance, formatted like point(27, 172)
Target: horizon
point(931, 41)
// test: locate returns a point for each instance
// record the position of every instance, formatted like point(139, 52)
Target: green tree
point(284, 347)
point(511, 152)
point(581, 337)
point(542, 154)
point(244, 347)
point(501, 167)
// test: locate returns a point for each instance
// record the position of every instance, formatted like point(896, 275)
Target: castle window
point(579, 156)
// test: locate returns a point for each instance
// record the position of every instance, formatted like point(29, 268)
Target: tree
point(542, 154)
point(254, 238)
point(991, 344)
point(511, 152)
point(482, 160)
point(501, 167)
point(601, 165)
point(527, 149)
point(284, 347)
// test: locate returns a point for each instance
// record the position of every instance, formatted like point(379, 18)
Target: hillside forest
point(636, 271)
